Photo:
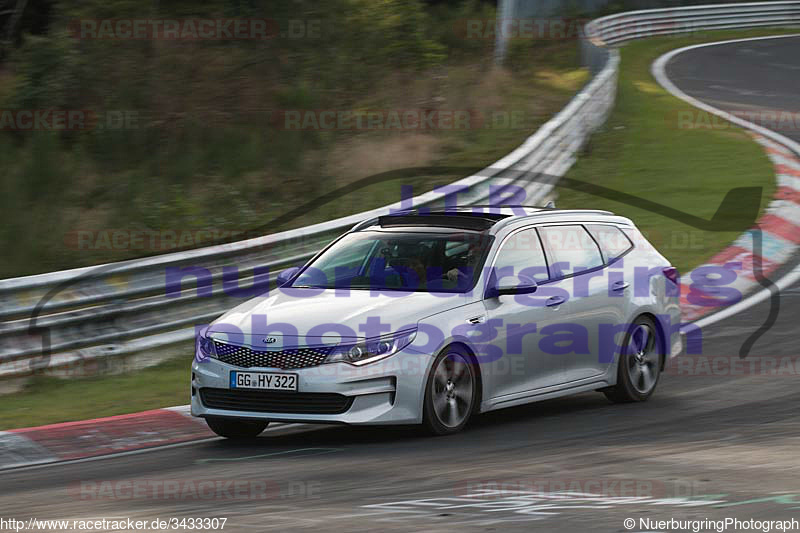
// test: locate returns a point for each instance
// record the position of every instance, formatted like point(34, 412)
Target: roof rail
point(581, 211)
point(549, 208)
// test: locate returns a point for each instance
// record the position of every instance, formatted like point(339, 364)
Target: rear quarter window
point(612, 241)
point(570, 250)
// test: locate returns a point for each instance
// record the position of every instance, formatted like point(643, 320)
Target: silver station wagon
point(432, 316)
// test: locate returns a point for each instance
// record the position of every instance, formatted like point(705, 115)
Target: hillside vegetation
point(189, 134)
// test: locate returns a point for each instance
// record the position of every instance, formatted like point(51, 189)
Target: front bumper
point(385, 392)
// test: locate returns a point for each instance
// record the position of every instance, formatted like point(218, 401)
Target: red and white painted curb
point(779, 229)
point(102, 436)
point(780, 224)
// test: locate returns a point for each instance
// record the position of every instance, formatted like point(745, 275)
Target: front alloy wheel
point(450, 393)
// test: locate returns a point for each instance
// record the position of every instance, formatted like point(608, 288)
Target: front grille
point(320, 403)
point(246, 357)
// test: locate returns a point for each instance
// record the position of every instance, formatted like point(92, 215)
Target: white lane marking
point(658, 70)
point(772, 145)
point(504, 505)
point(310, 452)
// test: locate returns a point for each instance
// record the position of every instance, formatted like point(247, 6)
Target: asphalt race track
point(712, 443)
point(745, 77)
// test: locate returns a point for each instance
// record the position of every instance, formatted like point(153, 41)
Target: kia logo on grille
point(270, 340)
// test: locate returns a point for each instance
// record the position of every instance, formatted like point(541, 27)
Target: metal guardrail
point(622, 27)
point(86, 313)
point(62, 318)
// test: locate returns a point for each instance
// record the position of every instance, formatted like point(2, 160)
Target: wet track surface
point(712, 443)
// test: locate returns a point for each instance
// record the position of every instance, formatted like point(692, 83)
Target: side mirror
point(526, 285)
point(286, 275)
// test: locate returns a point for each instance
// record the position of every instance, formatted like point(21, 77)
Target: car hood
point(317, 315)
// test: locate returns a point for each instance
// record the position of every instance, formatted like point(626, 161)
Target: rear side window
point(522, 254)
point(612, 241)
point(570, 249)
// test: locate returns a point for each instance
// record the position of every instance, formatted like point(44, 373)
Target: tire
point(639, 367)
point(236, 429)
point(451, 392)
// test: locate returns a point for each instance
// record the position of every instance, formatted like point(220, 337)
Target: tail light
point(671, 274)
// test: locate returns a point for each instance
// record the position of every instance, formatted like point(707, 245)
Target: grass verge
point(48, 400)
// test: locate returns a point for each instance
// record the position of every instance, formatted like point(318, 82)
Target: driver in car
point(465, 271)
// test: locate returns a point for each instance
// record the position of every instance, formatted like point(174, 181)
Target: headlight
point(205, 346)
point(371, 350)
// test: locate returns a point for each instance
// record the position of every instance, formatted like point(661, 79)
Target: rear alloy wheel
point(235, 428)
point(450, 394)
point(639, 364)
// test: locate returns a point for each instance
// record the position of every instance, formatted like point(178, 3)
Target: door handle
point(477, 319)
point(620, 286)
point(555, 300)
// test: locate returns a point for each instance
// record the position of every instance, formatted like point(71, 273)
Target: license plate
point(264, 381)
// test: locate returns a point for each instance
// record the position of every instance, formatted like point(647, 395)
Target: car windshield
point(405, 261)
